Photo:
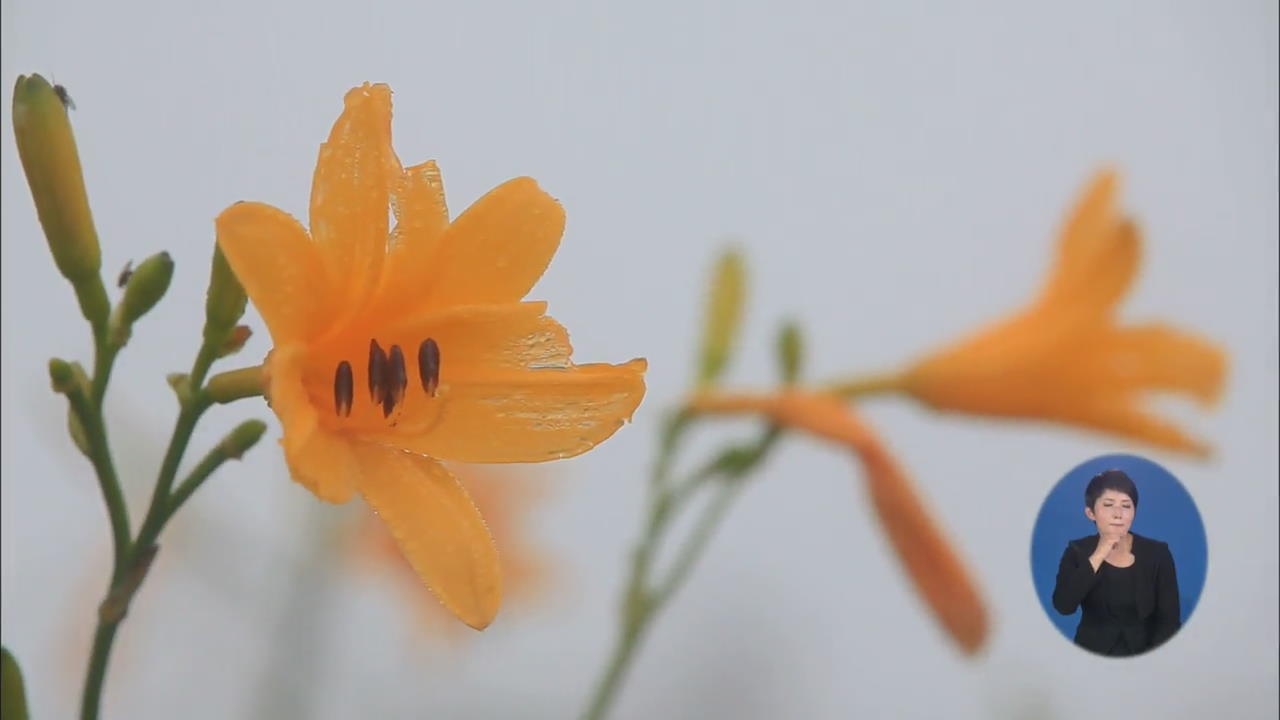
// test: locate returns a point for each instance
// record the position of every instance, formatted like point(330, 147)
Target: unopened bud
point(790, 352)
point(47, 148)
point(246, 435)
point(724, 316)
point(62, 375)
point(225, 302)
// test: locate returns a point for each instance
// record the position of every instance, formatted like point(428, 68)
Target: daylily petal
point(937, 571)
point(318, 459)
point(438, 529)
point(279, 267)
point(417, 201)
point(412, 266)
point(1120, 415)
point(1091, 287)
point(1157, 357)
point(1098, 254)
point(475, 340)
point(351, 191)
point(526, 416)
point(927, 555)
point(499, 247)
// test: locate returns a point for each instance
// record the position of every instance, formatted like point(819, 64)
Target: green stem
point(100, 456)
point(697, 543)
point(102, 641)
point(220, 453)
point(641, 603)
point(235, 385)
point(133, 559)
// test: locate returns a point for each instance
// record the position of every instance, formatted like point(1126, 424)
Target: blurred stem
point(133, 559)
point(645, 597)
point(870, 384)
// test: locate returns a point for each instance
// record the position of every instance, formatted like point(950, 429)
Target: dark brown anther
point(396, 382)
point(377, 371)
point(429, 365)
point(343, 389)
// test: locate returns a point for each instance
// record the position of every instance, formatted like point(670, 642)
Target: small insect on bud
point(125, 274)
point(64, 96)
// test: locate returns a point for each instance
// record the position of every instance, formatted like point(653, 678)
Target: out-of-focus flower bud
point(724, 316)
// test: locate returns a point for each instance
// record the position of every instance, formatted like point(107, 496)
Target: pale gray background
point(895, 172)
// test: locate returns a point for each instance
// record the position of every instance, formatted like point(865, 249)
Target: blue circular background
point(1165, 512)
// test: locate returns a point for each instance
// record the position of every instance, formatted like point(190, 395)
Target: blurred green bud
point(62, 376)
point(246, 435)
point(13, 695)
point(225, 302)
point(52, 165)
point(148, 283)
point(790, 352)
point(724, 316)
point(75, 429)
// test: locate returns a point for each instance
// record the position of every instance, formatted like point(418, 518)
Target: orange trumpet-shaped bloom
point(933, 565)
point(1066, 357)
point(398, 347)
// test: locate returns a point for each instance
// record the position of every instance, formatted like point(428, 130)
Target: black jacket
point(1156, 587)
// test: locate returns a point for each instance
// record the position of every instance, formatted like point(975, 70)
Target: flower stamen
point(377, 371)
point(429, 365)
point(397, 381)
point(343, 389)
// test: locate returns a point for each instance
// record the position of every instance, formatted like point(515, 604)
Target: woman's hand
point(1106, 543)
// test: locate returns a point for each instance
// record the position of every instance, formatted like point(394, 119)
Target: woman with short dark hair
point(1124, 584)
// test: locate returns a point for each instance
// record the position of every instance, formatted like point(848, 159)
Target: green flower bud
point(246, 435)
point(225, 302)
point(724, 316)
point(145, 287)
point(790, 352)
point(75, 429)
point(62, 375)
point(52, 165)
point(13, 695)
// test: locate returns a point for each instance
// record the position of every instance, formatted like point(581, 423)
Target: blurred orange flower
point(427, 319)
point(1066, 357)
point(928, 557)
point(507, 498)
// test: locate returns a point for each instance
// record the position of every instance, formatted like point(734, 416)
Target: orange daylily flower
point(928, 557)
point(395, 348)
point(506, 500)
point(1067, 357)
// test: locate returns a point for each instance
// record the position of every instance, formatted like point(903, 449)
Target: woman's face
point(1112, 513)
